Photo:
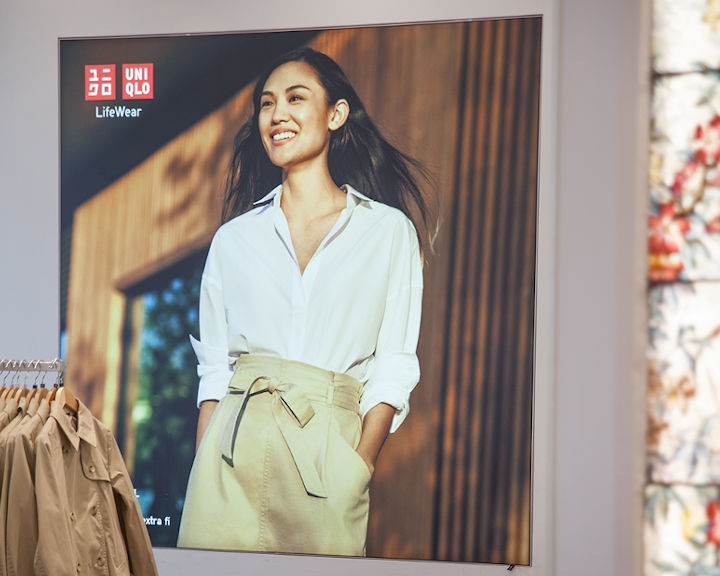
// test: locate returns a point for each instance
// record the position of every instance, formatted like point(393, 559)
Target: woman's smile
point(280, 137)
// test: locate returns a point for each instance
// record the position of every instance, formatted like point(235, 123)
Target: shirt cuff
point(213, 369)
point(213, 385)
point(391, 380)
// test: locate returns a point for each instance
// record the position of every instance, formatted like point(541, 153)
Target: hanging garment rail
point(56, 365)
point(12, 369)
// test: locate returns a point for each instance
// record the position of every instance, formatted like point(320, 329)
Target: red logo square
point(100, 82)
point(137, 81)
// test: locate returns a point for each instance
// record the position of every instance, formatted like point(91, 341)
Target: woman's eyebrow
point(288, 89)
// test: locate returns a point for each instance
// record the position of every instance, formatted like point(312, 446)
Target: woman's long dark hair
point(359, 155)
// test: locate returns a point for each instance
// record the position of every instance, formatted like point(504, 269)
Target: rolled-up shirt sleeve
point(395, 370)
point(212, 348)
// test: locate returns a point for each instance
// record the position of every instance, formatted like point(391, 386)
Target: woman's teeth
point(283, 136)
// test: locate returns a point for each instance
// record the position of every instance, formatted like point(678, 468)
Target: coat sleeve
point(137, 541)
point(21, 541)
point(53, 555)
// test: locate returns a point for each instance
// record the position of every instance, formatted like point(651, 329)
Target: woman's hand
point(206, 410)
point(376, 426)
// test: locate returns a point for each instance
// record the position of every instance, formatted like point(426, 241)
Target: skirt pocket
point(349, 502)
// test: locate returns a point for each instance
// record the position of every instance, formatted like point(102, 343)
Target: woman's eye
point(294, 98)
point(265, 104)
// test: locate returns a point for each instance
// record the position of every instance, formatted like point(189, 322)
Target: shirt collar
point(43, 411)
point(22, 406)
point(10, 407)
point(353, 196)
point(85, 429)
point(275, 192)
point(33, 405)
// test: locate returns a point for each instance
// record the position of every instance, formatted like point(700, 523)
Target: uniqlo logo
point(137, 81)
point(100, 82)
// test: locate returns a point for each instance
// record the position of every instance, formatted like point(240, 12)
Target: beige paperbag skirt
point(277, 469)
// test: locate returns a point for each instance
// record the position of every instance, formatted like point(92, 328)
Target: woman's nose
point(279, 112)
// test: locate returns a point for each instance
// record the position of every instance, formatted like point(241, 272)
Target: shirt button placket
point(298, 318)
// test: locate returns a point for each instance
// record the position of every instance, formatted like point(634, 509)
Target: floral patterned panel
point(682, 530)
point(684, 221)
point(686, 35)
point(684, 383)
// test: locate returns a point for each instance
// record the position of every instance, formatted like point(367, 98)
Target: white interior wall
point(602, 143)
point(589, 457)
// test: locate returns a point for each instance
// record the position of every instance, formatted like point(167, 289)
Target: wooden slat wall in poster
point(482, 502)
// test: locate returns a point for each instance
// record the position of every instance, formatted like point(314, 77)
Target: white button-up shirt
point(355, 309)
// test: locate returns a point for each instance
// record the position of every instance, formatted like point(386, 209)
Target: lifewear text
point(117, 112)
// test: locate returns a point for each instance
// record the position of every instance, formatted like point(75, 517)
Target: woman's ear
point(339, 114)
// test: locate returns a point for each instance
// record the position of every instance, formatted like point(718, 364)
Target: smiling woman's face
point(295, 119)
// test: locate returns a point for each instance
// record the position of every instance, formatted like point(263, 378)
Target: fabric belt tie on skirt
point(292, 410)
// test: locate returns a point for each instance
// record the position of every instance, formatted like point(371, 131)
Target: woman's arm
point(376, 426)
point(212, 348)
point(206, 410)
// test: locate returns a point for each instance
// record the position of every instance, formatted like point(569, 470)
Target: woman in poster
point(313, 289)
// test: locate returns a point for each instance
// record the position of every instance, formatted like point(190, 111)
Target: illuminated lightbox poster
point(147, 132)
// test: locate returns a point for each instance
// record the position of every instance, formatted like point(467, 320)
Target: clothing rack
point(56, 365)
point(13, 368)
point(42, 493)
